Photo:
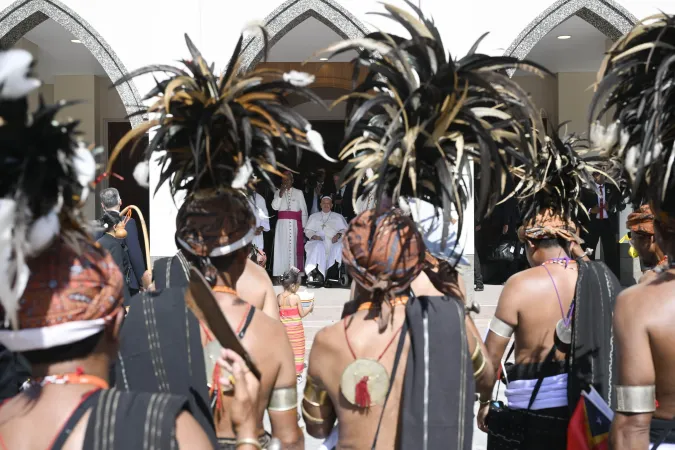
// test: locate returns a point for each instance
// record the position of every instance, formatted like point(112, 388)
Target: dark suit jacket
point(114, 247)
point(135, 254)
point(347, 206)
point(615, 204)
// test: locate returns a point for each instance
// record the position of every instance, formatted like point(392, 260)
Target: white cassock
point(324, 253)
point(288, 241)
point(262, 218)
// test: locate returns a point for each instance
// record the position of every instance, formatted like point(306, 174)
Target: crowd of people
point(195, 352)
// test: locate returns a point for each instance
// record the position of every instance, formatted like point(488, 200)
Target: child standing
point(291, 313)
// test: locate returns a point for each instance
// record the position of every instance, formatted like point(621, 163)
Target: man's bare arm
point(485, 379)
point(270, 307)
point(506, 314)
point(317, 409)
point(636, 368)
point(285, 423)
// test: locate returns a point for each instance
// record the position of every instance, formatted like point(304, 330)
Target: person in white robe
point(262, 218)
point(324, 231)
point(292, 217)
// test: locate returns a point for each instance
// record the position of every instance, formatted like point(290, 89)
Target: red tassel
point(362, 395)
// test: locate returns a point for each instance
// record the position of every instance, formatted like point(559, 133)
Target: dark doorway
point(130, 192)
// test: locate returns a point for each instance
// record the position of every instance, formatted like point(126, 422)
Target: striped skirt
point(290, 317)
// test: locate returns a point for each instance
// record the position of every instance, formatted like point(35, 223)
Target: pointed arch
point(23, 15)
point(293, 12)
point(608, 16)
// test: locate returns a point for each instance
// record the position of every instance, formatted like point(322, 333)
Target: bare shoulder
point(267, 326)
point(630, 304)
point(326, 339)
point(323, 350)
point(257, 272)
point(189, 433)
point(520, 283)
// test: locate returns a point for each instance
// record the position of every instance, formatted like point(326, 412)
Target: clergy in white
point(288, 241)
point(262, 219)
point(324, 231)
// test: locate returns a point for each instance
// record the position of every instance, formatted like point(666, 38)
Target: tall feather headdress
point(218, 131)
point(419, 117)
point(564, 168)
point(45, 177)
point(635, 86)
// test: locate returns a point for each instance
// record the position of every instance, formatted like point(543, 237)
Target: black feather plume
point(635, 85)
point(217, 132)
point(419, 118)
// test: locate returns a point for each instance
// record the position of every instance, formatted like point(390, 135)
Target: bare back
point(34, 424)
point(255, 287)
point(275, 362)
point(531, 303)
point(330, 356)
point(19, 416)
point(643, 321)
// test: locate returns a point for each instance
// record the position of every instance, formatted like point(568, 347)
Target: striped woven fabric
point(290, 317)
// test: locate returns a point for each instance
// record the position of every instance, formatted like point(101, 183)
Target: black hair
point(290, 277)
point(552, 243)
point(63, 353)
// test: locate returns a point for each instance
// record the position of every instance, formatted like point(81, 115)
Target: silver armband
point(500, 328)
point(283, 399)
point(636, 399)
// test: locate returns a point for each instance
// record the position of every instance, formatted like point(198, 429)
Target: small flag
point(590, 423)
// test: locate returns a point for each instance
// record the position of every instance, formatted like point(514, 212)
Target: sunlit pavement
point(327, 310)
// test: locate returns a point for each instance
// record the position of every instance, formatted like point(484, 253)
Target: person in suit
point(313, 190)
point(111, 204)
point(603, 207)
point(342, 199)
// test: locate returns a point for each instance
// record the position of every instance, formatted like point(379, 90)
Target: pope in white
point(324, 231)
point(292, 217)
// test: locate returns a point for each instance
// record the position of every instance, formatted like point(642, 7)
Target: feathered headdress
point(560, 175)
point(45, 176)
point(563, 168)
point(635, 86)
point(218, 131)
point(419, 117)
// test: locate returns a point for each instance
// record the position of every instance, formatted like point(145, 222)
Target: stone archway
point(608, 16)
point(23, 15)
point(293, 12)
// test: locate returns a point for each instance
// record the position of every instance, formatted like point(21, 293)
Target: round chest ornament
point(365, 383)
point(211, 354)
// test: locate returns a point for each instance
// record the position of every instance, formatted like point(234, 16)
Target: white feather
point(142, 174)
point(42, 233)
point(13, 270)
point(631, 161)
point(243, 175)
point(300, 79)
point(84, 164)
point(14, 68)
point(604, 138)
point(316, 143)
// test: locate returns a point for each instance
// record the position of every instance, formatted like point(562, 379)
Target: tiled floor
point(327, 309)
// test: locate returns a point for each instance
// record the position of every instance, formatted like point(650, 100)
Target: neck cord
point(568, 319)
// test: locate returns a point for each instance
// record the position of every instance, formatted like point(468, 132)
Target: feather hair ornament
point(45, 176)
point(220, 131)
point(563, 169)
point(635, 86)
point(419, 118)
